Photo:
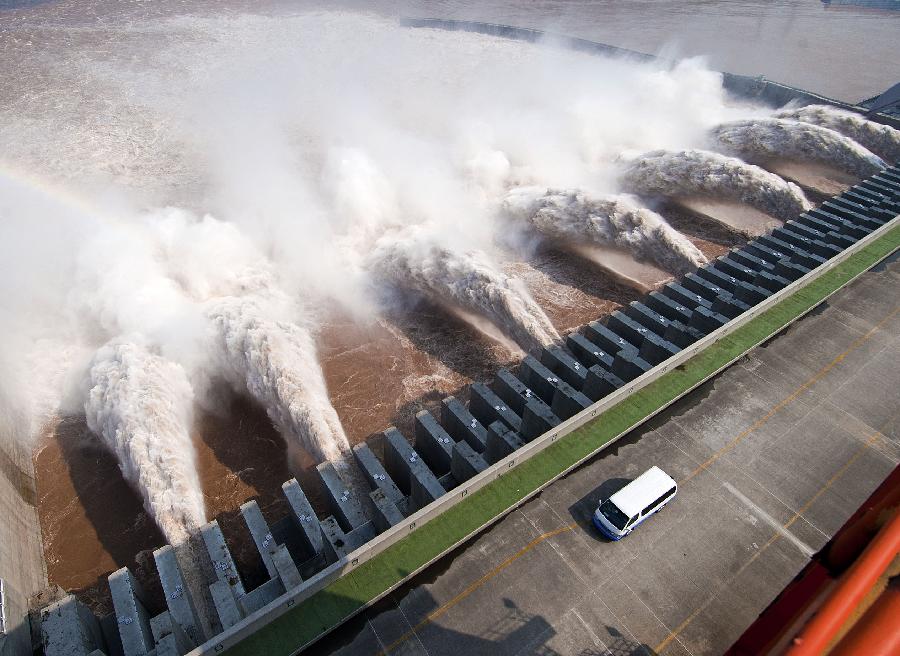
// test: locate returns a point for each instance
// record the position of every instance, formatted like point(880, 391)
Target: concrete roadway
point(772, 457)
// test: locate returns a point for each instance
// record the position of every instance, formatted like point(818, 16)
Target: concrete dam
point(517, 407)
point(217, 309)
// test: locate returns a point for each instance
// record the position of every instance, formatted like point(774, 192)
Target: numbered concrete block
point(303, 517)
point(501, 442)
point(343, 503)
point(461, 425)
point(433, 443)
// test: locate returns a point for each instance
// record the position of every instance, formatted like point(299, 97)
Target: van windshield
point(615, 516)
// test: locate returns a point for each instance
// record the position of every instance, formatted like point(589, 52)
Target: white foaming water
point(574, 216)
point(140, 405)
point(276, 362)
point(774, 138)
point(413, 260)
point(687, 173)
point(883, 140)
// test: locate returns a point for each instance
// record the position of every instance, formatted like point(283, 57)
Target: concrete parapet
point(403, 463)
point(346, 507)
point(564, 365)
point(222, 562)
point(178, 597)
point(262, 536)
point(461, 425)
point(68, 628)
point(501, 442)
point(386, 512)
point(375, 473)
point(487, 407)
point(131, 613)
point(433, 443)
point(601, 382)
point(588, 352)
point(303, 517)
point(466, 462)
point(537, 419)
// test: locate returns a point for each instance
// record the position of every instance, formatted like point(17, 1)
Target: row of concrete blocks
point(514, 409)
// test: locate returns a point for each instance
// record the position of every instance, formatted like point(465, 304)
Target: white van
point(617, 516)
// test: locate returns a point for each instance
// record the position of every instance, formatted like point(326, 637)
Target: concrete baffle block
point(708, 290)
point(568, 402)
point(512, 390)
point(303, 517)
point(168, 636)
point(286, 567)
point(225, 603)
point(68, 628)
point(228, 587)
point(502, 441)
point(684, 296)
point(334, 540)
point(588, 352)
point(656, 349)
point(386, 512)
point(433, 443)
point(628, 365)
point(487, 407)
point(543, 381)
point(132, 617)
point(537, 419)
point(343, 503)
point(178, 598)
point(262, 536)
point(706, 321)
point(667, 307)
point(462, 425)
point(466, 462)
point(627, 327)
point(375, 472)
point(261, 596)
point(681, 335)
point(648, 318)
point(564, 365)
point(601, 383)
point(607, 339)
point(403, 463)
point(729, 306)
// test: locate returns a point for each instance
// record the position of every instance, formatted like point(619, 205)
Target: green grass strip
point(331, 606)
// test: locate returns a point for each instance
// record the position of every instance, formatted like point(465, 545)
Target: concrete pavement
point(772, 457)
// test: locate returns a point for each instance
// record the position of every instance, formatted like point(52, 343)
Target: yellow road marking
point(831, 481)
point(792, 396)
point(672, 635)
point(433, 615)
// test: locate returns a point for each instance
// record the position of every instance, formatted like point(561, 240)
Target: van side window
point(658, 501)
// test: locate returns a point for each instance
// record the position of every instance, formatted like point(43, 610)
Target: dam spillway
point(466, 439)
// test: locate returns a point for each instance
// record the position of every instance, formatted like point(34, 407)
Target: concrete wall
point(22, 565)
